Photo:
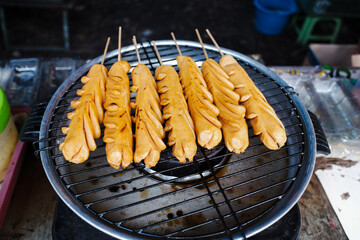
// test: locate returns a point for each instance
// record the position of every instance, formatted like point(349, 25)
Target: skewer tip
point(214, 41)
point(105, 50)
point(173, 37)
point(136, 49)
point(201, 42)
point(119, 44)
point(157, 52)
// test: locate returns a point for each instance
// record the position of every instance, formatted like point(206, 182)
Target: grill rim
point(277, 211)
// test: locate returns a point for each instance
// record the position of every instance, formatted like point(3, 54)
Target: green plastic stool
point(305, 32)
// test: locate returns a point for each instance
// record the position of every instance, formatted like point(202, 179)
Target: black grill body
point(218, 195)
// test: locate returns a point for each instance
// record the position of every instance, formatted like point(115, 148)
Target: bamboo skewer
point(119, 45)
point(157, 52)
point(201, 42)
point(177, 46)
point(105, 50)
point(214, 41)
point(136, 49)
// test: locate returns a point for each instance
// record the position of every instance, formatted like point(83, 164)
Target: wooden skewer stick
point(136, 49)
point(119, 45)
point(105, 50)
point(173, 37)
point(201, 42)
point(157, 53)
point(215, 43)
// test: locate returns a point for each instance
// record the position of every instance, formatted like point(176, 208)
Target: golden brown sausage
point(175, 112)
point(94, 84)
point(262, 116)
point(149, 131)
point(200, 102)
point(118, 131)
point(232, 114)
point(84, 126)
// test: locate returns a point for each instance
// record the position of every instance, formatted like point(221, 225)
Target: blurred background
point(40, 23)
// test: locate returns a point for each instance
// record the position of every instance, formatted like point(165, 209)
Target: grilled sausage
point(232, 114)
point(84, 126)
point(200, 102)
point(175, 112)
point(262, 116)
point(118, 130)
point(149, 131)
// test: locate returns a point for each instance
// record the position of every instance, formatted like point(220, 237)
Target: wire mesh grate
point(231, 192)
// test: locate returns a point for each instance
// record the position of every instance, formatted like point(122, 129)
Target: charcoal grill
point(218, 195)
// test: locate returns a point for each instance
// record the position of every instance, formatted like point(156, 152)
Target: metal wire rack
point(218, 195)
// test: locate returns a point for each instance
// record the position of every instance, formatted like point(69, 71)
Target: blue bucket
point(271, 16)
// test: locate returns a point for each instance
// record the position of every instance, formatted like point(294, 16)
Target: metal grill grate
point(233, 195)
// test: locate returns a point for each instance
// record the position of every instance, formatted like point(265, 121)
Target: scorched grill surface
point(218, 195)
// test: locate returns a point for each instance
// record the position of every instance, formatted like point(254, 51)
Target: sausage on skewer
point(118, 127)
point(84, 126)
point(262, 116)
point(232, 114)
point(175, 111)
point(118, 130)
point(200, 102)
point(149, 131)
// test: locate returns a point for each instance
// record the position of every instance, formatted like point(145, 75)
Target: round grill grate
point(218, 195)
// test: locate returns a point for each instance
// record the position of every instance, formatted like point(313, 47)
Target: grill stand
point(292, 168)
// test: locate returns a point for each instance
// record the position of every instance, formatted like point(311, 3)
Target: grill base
point(67, 225)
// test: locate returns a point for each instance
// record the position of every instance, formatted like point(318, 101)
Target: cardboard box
point(335, 55)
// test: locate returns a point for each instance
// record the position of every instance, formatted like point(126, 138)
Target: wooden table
point(31, 210)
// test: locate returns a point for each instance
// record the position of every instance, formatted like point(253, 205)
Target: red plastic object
point(8, 185)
